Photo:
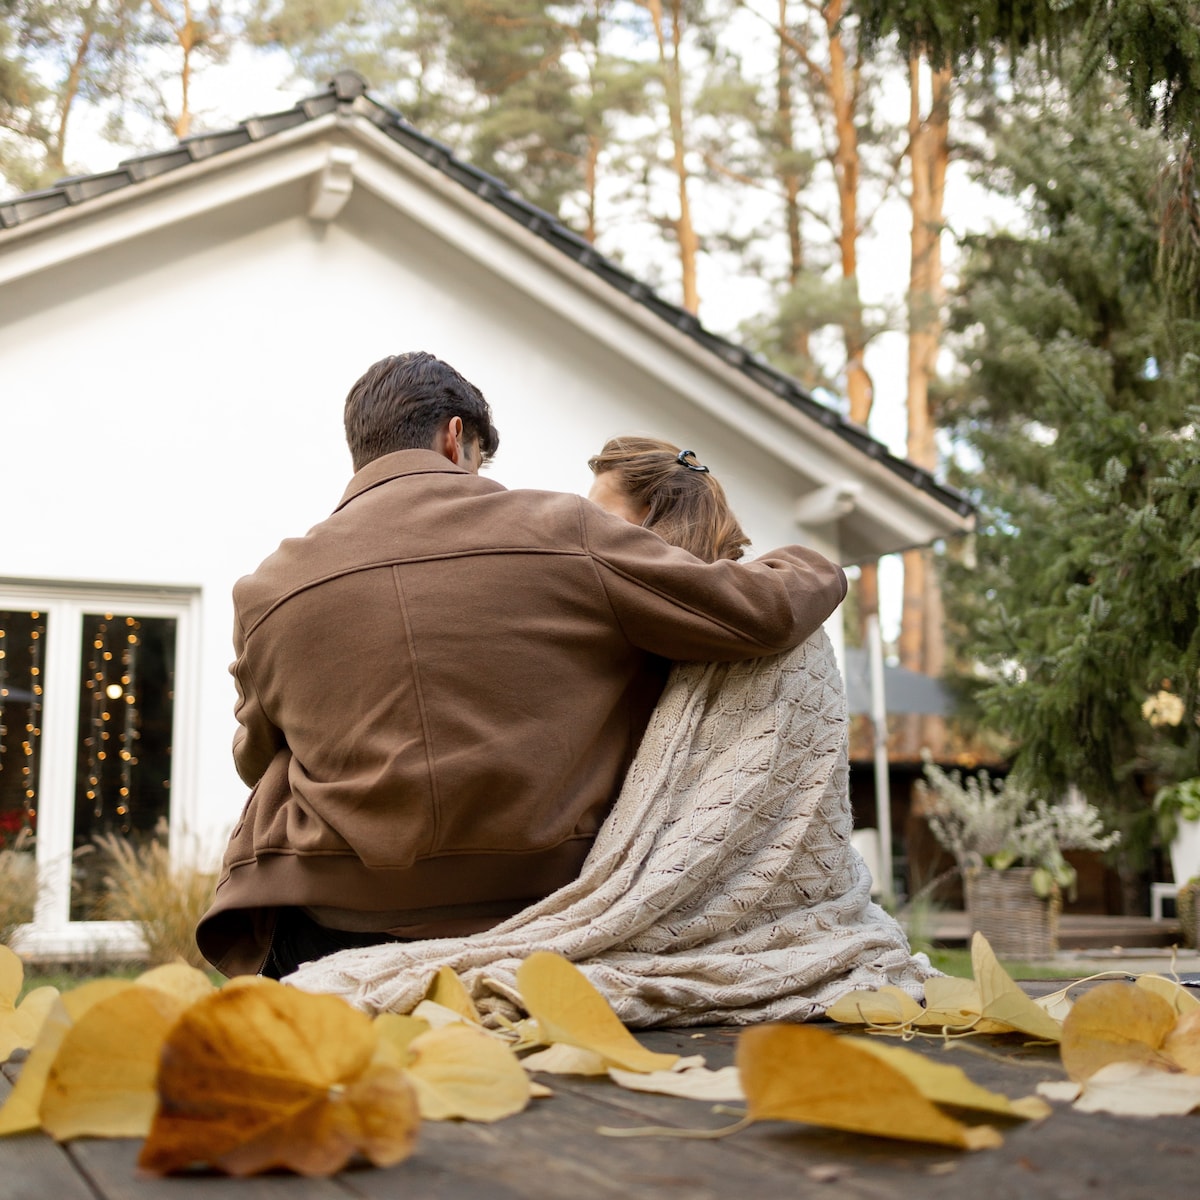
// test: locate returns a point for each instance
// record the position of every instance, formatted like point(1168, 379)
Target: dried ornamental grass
point(18, 886)
point(165, 900)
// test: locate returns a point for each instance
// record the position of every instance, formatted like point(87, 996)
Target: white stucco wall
point(172, 409)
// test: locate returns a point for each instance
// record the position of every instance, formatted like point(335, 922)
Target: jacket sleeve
point(257, 739)
point(675, 605)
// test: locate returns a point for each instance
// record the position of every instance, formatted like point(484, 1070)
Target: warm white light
point(113, 691)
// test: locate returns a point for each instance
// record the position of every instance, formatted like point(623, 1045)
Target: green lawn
point(958, 962)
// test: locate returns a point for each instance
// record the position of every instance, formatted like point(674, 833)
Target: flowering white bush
point(990, 822)
point(1163, 708)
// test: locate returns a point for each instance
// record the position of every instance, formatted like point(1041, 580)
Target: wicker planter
point(1003, 907)
point(1187, 908)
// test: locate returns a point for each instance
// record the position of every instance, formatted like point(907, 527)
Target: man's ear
point(449, 442)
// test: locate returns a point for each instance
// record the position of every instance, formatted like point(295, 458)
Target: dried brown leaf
point(1115, 1022)
point(263, 1077)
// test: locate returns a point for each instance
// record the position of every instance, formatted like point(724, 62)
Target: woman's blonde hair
point(687, 506)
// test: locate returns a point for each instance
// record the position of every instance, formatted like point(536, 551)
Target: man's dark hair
point(403, 401)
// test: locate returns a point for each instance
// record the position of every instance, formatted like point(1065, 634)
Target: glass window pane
point(123, 753)
point(22, 670)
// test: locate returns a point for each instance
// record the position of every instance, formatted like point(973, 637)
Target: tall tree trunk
point(185, 34)
point(590, 172)
point(672, 75)
point(922, 639)
point(843, 82)
point(790, 182)
point(56, 158)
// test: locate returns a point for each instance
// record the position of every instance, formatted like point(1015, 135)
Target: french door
point(96, 701)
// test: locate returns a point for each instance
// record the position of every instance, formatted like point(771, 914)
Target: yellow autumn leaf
point(436, 1015)
point(19, 1026)
point(22, 1110)
point(561, 1059)
point(1179, 998)
point(1182, 1044)
point(101, 1083)
point(1134, 1089)
point(948, 1085)
point(1003, 1000)
point(459, 1071)
point(244, 981)
point(19, 1023)
point(1115, 1022)
point(177, 979)
point(12, 976)
point(695, 1083)
point(569, 1009)
point(448, 990)
point(263, 1077)
point(952, 994)
point(884, 1006)
point(1056, 1004)
point(799, 1073)
point(955, 1005)
point(398, 1031)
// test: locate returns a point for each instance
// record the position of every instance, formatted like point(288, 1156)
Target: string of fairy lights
point(32, 731)
point(113, 716)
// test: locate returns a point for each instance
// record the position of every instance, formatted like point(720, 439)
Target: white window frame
point(52, 934)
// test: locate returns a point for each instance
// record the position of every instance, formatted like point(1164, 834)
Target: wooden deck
point(1077, 931)
point(552, 1151)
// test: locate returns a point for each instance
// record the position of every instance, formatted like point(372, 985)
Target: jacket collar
point(395, 466)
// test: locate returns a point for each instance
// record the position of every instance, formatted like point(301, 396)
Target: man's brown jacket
point(441, 687)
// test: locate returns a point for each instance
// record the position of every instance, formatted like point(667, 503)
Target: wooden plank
point(553, 1150)
point(1070, 1154)
point(35, 1167)
point(111, 1166)
point(483, 1162)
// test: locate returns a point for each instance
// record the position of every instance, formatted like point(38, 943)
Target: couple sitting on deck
point(480, 722)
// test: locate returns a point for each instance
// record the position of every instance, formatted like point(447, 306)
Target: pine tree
point(1079, 427)
point(1152, 48)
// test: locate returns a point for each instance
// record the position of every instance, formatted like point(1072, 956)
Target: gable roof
point(347, 94)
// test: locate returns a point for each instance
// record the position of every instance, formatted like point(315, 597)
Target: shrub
point(995, 823)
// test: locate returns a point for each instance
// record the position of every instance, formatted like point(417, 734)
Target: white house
point(176, 340)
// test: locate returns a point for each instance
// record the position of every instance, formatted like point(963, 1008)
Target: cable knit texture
point(722, 888)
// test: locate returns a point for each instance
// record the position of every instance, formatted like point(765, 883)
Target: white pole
point(883, 795)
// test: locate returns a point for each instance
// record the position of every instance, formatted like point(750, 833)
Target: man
point(442, 685)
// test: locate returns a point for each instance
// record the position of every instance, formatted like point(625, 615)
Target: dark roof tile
point(31, 206)
point(205, 145)
point(348, 91)
point(86, 187)
point(146, 166)
point(263, 127)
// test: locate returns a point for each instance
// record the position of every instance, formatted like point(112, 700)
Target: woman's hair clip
point(683, 457)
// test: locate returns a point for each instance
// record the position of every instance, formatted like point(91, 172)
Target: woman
point(722, 887)
point(661, 487)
